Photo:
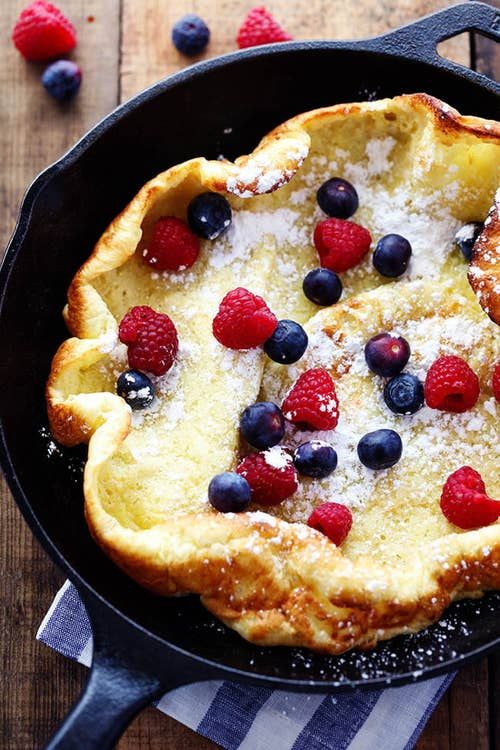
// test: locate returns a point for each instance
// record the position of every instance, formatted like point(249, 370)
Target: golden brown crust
point(257, 573)
point(484, 270)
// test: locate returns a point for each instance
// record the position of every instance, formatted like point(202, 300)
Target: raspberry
point(495, 381)
point(451, 385)
point(243, 320)
point(464, 501)
point(333, 520)
point(270, 474)
point(172, 247)
point(151, 338)
point(259, 27)
point(341, 244)
point(312, 401)
point(42, 32)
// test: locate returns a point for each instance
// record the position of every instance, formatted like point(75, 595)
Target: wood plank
point(36, 685)
point(147, 53)
point(494, 702)
point(469, 715)
point(436, 735)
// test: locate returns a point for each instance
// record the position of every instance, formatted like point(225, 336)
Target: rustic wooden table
point(124, 45)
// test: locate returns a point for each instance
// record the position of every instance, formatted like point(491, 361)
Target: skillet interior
point(179, 119)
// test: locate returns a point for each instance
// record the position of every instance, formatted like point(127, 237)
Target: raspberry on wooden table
point(464, 501)
point(332, 519)
point(151, 338)
point(243, 320)
point(43, 32)
point(270, 474)
point(312, 401)
point(451, 385)
point(341, 244)
point(259, 27)
point(172, 247)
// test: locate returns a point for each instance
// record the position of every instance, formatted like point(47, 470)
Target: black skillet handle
point(123, 680)
point(419, 40)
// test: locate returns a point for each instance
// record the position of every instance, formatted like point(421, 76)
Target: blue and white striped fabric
point(249, 718)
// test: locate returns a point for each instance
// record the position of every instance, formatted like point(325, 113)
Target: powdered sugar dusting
point(248, 229)
point(277, 457)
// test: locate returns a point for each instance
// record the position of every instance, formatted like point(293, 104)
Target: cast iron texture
point(146, 645)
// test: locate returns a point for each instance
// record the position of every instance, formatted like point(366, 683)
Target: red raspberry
point(312, 401)
point(151, 338)
point(341, 244)
point(333, 520)
point(464, 501)
point(42, 32)
point(243, 320)
point(259, 27)
point(450, 385)
point(270, 474)
point(495, 382)
point(172, 247)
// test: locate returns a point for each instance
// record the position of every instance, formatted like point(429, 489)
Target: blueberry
point(287, 344)
point(136, 388)
point(315, 459)
point(262, 424)
point(337, 197)
point(404, 394)
point(466, 237)
point(380, 449)
point(392, 255)
point(190, 34)
point(229, 493)
point(209, 215)
point(322, 286)
point(62, 79)
point(387, 355)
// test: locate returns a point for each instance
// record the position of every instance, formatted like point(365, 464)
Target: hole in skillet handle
point(130, 669)
point(419, 40)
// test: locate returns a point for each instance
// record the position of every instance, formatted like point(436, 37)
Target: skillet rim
point(78, 150)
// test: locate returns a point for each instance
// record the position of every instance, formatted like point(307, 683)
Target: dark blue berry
point(229, 493)
point(209, 215)
point(262, 424)
point(337, 197)
point(392, 255)
point(315, 459)
point(380, 449)
point(322, 286)
point(136, 388)
point(287, 344)
point(466, 237)
point(387, 355)
point(190, 34)
point(404, 394)
point(62, 79)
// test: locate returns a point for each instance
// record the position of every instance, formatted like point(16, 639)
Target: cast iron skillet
point(144, 645)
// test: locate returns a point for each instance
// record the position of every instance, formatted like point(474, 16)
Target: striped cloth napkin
point(249, 718)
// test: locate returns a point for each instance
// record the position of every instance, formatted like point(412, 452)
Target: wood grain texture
point(148, 55)
point(123, 50)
